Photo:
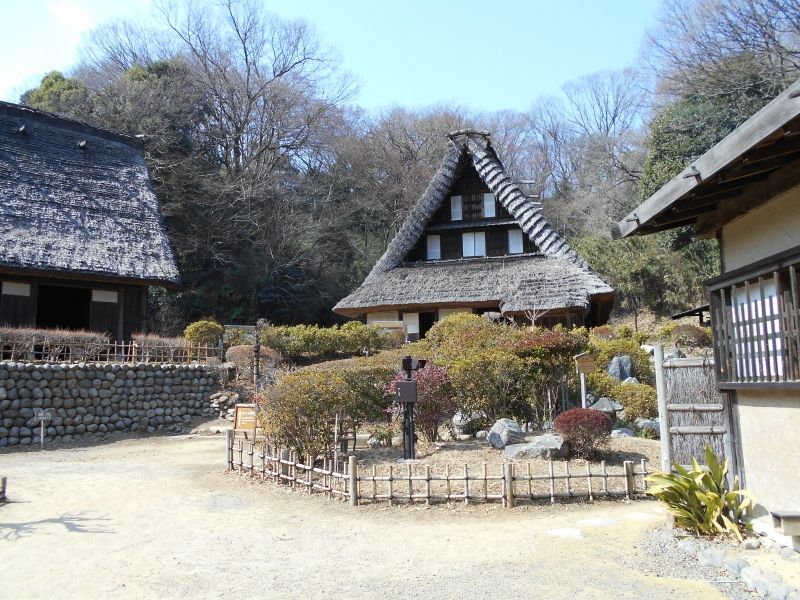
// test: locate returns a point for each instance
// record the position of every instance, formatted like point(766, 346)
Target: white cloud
point(72, 20)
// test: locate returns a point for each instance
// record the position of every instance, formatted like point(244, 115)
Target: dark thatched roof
point(77, 200)
point(554, 278)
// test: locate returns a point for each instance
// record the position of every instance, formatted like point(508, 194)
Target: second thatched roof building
point(475, 243)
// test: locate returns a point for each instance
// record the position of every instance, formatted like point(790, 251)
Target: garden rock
point(620, 432)
point(504, 433)
point(778, 591)
point(462, 421)
point(751, 544)
point(620, 367)
point(650, 424)
point(482, 434)
point(543, 446)
point(630, 380)
point(713, 557)
point(734, 566)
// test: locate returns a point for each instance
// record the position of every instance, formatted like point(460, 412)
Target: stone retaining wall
point(85, 399)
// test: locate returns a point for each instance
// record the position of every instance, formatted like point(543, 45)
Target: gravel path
point(160, 518)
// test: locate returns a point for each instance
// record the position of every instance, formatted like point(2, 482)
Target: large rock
point(620, 367)
point(504, 433)
point(542, 446)
point(466, 422)
point(620, 432)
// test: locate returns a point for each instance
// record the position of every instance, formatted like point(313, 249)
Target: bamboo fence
point(508, 484)
point(112, 352)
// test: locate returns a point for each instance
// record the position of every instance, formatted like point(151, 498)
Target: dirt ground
point(160, 518)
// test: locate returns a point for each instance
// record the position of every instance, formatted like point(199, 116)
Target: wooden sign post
point(584, 363)
point(244, 420)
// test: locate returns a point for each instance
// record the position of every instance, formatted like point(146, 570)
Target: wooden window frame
point(756, 334)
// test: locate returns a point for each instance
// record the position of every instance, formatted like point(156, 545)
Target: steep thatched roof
point(555, 278)
point(77, 200)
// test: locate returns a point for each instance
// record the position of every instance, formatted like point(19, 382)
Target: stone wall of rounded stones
point(86, 399)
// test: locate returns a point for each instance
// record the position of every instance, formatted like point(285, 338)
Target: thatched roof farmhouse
point(474, 242)
point(81, 234)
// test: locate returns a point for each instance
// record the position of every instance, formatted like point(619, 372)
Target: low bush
point(314, 342)
point(496, 383)
point(50, 344)
point(436, 399)
point(585, 430)
point(665, 331)
point(205, 332)
point(624, 332)
point(463, 333)
point(237, 337)
point(700, 498)
point(691, 335)
point(638, 399)
point(242, 357)
point(158, 348)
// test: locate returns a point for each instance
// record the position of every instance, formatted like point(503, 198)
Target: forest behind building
point(280, 192)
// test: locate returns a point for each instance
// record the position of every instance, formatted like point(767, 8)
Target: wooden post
point(630, 479)
point(508, 478)
point(229, 448)
point(3, 482)
point(663, 415)
point(352, 471)
point(284, 456)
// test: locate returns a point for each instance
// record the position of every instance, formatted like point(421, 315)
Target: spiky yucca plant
point(700, 499)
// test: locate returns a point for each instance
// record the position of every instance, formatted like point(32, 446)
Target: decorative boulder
point(548, 447)
point(481, 435)
point(620, 367)
point(651, 424)
point(504, 433)
point(630, 380)
point(463, 421)
point(621, 432)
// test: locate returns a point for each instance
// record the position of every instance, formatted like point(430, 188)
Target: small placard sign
point(244, 419)
point(585, 363)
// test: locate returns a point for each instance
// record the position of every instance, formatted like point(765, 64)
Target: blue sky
point(487, 55)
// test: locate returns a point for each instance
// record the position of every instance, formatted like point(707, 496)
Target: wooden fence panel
point(697, 413)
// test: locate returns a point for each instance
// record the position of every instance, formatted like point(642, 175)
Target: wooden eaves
point(755, 162)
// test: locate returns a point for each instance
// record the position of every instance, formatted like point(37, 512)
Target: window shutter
point(515, 241)
point(488, 206)
point(434, 247)
point(455, 208)
point(480, 243)
point(468, 244)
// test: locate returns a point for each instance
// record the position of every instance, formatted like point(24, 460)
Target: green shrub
point(585, 430)
point(493, 382)
point(298, 411)
point(601, 383)
point(625, 332)
point(206, 332)
point(638, 399)
point(691, 335)
point(463, 333)
point(237, 337)
point(314, 342)
point(700, 499)
point(665, 331)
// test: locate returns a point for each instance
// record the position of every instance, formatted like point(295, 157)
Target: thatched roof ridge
point(515, 284)
point(77, 200)
point(475, 145)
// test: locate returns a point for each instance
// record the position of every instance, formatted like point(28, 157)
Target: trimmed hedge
point(313, 342)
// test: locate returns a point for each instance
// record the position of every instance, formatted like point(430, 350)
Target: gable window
point(455, 208)
point(488, 206)
point(515, 243)
point(434, 243)
point(473, 243)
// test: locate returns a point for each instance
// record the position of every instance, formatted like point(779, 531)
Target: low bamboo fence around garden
point(508, 484)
